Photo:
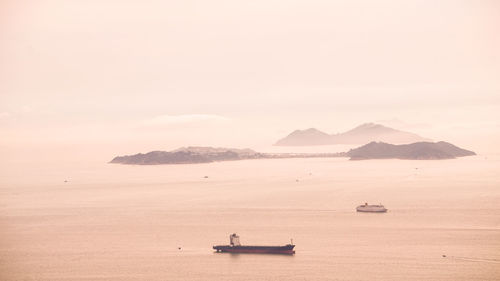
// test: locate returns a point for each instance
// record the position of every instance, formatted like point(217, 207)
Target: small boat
point(371, 208)
point(235, 247)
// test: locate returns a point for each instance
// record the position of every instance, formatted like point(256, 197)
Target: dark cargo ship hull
point(374, 211)
point(287, 249)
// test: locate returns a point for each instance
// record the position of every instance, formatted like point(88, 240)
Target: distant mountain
point(416, 151)
point(362, 134)
point(310, 136)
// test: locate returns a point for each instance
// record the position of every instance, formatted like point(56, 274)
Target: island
point(414, 151)
point(201, 154)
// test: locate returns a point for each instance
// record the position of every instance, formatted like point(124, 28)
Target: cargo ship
point(236, 247)
point(371, 208)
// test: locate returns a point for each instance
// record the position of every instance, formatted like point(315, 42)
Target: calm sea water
point(116, 222)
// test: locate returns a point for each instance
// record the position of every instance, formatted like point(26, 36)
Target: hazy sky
point(132, 76)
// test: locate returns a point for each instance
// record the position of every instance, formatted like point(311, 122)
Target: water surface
point(118, 222)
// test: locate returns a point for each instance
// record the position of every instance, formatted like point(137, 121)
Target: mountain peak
point(307, 136)
point(367, 125)
point(310, 131)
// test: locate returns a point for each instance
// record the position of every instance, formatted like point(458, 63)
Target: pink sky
point(134, 76)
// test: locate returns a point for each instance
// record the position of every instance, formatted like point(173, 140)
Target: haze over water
point(118, 222)
point(84, 81)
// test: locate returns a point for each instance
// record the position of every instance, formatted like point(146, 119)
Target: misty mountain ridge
point(362, 134)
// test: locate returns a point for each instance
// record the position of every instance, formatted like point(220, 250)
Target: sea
point(90, 220)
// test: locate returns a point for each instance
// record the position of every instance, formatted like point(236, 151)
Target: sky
point(110, 77)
